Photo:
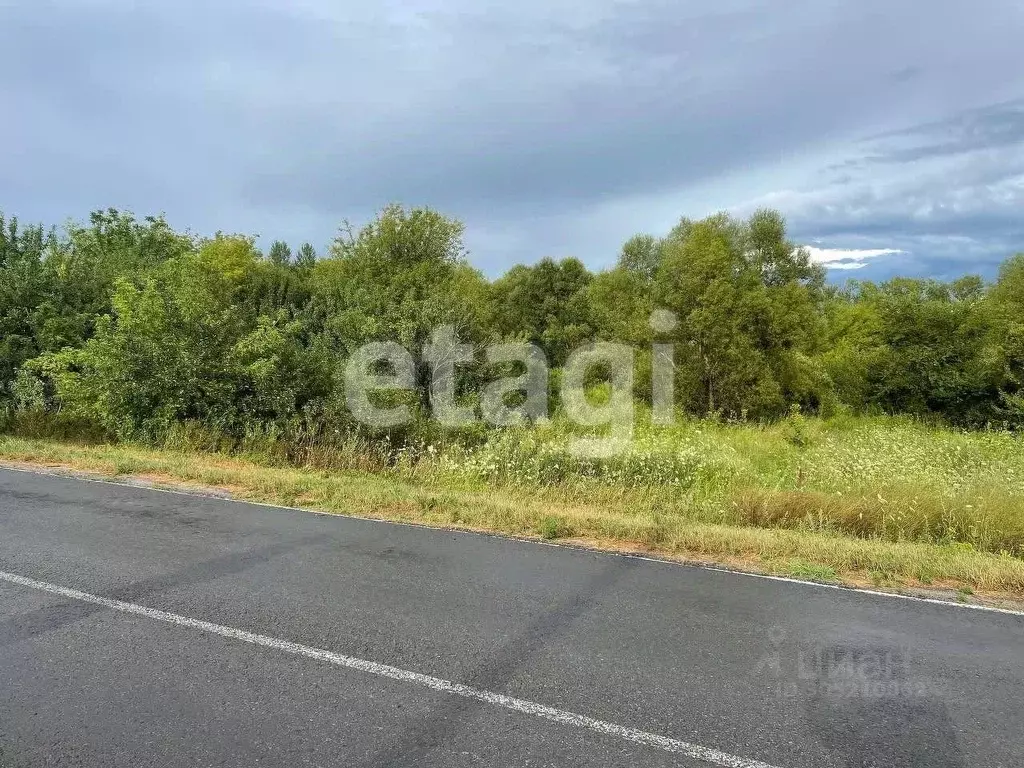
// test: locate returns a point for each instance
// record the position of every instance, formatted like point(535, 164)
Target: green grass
point(552, 527)
point(874, 502)
point(799, 569)
point(871, 478)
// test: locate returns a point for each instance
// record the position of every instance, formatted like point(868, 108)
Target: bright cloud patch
point(847, 258)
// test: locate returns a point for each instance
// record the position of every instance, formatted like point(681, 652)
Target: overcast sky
point(551, 128)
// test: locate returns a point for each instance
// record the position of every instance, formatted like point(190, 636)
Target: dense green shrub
point(125, 328)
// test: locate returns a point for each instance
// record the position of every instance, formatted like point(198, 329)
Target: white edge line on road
point(561, 716)
point(509, 537)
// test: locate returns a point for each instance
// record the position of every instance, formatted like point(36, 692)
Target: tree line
point(126, 327)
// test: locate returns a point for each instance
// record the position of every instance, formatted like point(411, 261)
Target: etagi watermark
point(383, 367)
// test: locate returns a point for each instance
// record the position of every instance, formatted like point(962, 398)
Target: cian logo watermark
point(842, 671)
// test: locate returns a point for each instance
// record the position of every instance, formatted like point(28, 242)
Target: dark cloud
point(947, 193)
point(997, 126)
point(551, 127)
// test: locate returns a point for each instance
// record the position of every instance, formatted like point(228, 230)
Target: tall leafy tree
point(545, 304)
point(641, 257)
point(181, 345)
point(920, 347)
point(396, 279)
point(280, 253)
point(23, 287)
point(748, 301)
point(1006, 350)
point(82, 272)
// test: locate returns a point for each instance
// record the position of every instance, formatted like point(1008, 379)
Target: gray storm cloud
point(552, 128)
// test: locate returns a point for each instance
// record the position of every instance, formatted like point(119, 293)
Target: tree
point(545, 304)
point(82, 271)
point(619, 304)
point(748, 303)
point(1006, 343)
point(642, 256)
point(305, 259)
point(914, 346)
point(398, 279)
point(22, 289)
point(181, 346)
point(127, 324)
point(280, 254)
point(394, 280)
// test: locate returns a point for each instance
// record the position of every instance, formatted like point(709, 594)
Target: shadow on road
point(52, 617)
point(869, 709)
point(411, 747)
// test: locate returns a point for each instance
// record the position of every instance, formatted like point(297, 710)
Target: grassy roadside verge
point(937, 570)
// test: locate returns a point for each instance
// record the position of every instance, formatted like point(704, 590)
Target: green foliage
point(797, 431)
point(22, 292)
point(641, 257)
point(800, 569)
point(180, 347)
point(401, 276)
point(545, 304)
point(125, 326)
point(619, 305)
point(305, 258)
point(84, 268)
point(1005, 351)
point(918, 346)
point(550, 527)
point(885, 478)
point(280, 254)
point(55, 288)
point(748, 305)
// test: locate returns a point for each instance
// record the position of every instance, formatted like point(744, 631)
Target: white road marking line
point(561, 716)
point(509, 537)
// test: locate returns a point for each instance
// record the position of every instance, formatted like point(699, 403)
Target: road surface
point(141, 628)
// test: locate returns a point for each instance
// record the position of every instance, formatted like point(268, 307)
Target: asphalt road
point(140, 628)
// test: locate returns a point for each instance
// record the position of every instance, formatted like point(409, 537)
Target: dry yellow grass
point(608, 522)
